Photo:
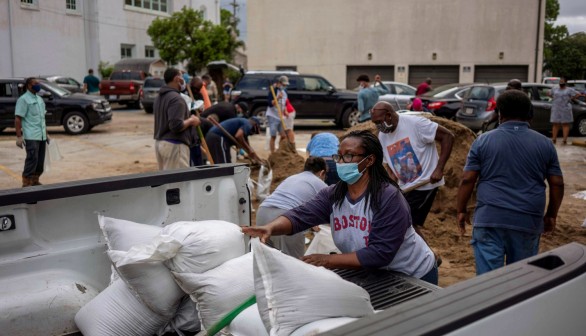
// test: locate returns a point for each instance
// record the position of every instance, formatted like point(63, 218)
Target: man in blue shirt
point(510, 164)
point(238, 128)
point(368, 96)
point(91, 83)
point(31, 131)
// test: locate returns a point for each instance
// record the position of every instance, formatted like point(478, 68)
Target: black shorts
point(420, 202)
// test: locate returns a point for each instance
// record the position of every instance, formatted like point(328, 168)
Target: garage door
point(440, 75)
point(387, 72)
point(500, 73)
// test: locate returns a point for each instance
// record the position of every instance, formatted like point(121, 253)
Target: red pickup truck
point(124, 87)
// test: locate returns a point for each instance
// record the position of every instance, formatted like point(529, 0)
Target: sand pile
point(285, 162)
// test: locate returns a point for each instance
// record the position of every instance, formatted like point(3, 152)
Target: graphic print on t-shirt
point(404, 162)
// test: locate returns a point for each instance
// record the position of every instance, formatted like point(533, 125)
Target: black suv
point(312, 96)
point(76, 112)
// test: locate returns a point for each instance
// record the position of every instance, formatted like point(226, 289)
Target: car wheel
point(580, 126)
point(350, 118)
point(148, 109)
point(2, 129)
point(76, 123)
point(261, 113)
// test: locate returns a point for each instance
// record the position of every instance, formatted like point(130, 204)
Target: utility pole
point(234, 5)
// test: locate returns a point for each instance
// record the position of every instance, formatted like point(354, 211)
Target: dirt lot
point(125, 146)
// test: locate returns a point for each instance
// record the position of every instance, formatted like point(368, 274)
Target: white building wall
point(326, 36)
point(49, 40)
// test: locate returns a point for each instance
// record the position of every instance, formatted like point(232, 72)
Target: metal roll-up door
point(439, 74)
point(500, 73)
point(387, 72)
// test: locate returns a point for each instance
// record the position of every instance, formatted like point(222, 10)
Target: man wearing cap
point(368, 96)
point(273, 119)
point(239, 128)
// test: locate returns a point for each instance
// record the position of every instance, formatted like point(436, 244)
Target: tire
point(76, 123)
point(2, 129)
point(261, 113)
point(148, 109)
point(580, 126)
point(350, 118)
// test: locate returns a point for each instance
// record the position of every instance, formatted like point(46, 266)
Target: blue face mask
point(36, 87)
point(348, 172)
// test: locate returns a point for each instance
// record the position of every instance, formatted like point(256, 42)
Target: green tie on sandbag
point(226, 320)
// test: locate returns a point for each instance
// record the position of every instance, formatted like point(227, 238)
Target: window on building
point(149, 52)
point(126, 51)
point(71, 5)
point(29, 3)
point(154, 5)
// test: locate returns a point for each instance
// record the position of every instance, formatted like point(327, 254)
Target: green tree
point(229, 21)
point(568, 57)
point(186, 36)
point(552, 34)
point(105, 69)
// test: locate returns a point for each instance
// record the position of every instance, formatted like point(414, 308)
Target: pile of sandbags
point(146, 300)
point(156, 267)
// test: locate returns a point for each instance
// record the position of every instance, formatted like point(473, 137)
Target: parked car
point(578, 85)
point(150, 90)
point(551, 80)
point(124, 87)
point(65, 82)
point(479, 104)
point(446, 100)
point(312, 96)
point(76, 112)
point(400, 94)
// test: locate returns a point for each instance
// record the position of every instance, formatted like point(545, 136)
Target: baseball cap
point(284, 80)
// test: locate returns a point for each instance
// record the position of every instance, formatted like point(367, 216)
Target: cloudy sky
point(573, 15)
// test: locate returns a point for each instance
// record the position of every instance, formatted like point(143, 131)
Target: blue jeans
point(495, 247)
point(432, 276)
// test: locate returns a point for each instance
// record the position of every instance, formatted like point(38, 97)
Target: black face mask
point(563, 85)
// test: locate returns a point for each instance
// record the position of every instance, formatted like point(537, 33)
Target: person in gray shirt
point(291, 193)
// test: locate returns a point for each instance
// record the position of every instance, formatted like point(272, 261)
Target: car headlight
point(97, 105)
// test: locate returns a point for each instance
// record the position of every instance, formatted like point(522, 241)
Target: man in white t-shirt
point(409, 140)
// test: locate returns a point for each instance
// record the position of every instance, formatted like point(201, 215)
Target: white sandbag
point(321, 326)
point(323, 242)
point(204, 245)
point(153, 283)
point(220, 290)
point(263, 189)
point(279, 281)
point(117, 312)
point(248, 323)
point(185, 320)
point(121, 234)
point(149, 279)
